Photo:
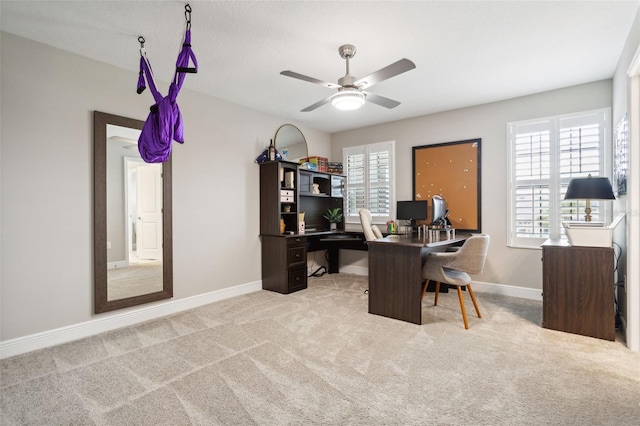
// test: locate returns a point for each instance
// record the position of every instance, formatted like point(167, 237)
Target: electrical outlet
point(108, 245)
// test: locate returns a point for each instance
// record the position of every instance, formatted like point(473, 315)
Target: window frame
point(555, 180)
point(366, 150)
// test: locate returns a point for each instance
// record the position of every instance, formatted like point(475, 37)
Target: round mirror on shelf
point(291, 143)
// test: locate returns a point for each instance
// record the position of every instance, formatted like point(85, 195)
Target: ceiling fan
point(351, 94)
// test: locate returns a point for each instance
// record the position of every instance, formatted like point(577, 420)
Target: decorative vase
point(282, 226)
point(333, 226)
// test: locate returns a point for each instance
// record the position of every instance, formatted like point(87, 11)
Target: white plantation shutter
point(545, 155)
point(369, 170)
point(356, 185)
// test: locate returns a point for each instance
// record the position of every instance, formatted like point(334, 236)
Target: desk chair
point(371, 231)
point(453, 268)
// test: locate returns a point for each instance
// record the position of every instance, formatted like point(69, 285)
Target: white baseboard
point(478, 286)
point(20, 345)
point(508, 290)
point(356, 270)
point(118, 264)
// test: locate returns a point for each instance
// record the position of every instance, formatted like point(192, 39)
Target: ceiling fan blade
point(403, 65)
point(381, 100)
point(317, 104)
point(310, 79)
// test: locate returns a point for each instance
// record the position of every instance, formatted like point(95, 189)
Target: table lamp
point(589, 188)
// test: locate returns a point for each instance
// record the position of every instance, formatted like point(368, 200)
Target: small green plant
point(333, 215)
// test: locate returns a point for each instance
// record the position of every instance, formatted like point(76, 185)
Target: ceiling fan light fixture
point(347, 100)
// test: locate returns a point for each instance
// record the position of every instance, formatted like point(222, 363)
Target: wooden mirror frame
point(101, 302)
point(452, 170)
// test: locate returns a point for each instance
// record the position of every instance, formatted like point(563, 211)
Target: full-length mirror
point(290, 140)
point(132, 218)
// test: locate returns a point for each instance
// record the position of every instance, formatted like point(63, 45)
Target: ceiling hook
point(141, 41)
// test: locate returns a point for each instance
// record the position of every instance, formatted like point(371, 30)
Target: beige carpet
point(134, 280)
point(317, 357)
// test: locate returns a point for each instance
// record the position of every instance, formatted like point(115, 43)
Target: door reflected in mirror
point(133, 263)
point(134, 217)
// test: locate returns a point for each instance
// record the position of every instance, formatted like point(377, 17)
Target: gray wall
point(629, 265)
point(48, 96)
point(509, 266)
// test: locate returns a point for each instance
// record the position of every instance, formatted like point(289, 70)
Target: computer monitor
point(439, 211)
point(412, 210)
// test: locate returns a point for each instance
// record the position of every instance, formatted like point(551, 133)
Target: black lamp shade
point(595, 188)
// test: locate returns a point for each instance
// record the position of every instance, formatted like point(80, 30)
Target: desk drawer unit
point(287, 196)
point(296, 257)
point(284, 263)
point(578, 290)
point(297, 280)
point(297, 263)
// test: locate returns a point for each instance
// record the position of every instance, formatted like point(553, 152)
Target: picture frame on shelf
point(621, 156)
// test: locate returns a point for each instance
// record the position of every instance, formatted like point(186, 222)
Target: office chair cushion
point(455, 277)
point(376, 231)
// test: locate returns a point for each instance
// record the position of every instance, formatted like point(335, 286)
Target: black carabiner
point(141, 41)
point(187, 15)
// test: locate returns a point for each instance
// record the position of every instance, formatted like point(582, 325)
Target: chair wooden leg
point(435, 302)
point(464, 311)
point(424, 288)
point(473, 299)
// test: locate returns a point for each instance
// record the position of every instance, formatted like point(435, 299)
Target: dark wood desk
point(333, 242)
point(578, 289)
point(395, 275)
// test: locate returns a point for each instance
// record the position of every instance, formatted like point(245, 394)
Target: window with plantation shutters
point(370, 181)
point(545, 154)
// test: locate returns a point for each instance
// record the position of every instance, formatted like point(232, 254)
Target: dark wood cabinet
point(286, 191)
point(278, 197)
point(284, 263)
point(578, 289)
point(328, 185)
point(315, 205)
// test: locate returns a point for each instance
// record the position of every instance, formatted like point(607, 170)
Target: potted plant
point(334, 216)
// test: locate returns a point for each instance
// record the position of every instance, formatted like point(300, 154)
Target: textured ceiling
point(466, 52)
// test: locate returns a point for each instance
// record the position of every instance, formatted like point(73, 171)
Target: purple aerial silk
point(164, 123)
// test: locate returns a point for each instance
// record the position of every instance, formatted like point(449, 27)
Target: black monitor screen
point(411, 210)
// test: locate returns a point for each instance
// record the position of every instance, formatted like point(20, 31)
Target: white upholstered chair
point(371, 231)
point(453, 268)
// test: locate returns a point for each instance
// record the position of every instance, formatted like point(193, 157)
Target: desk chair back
point(471, 256)
point(453, 268)
point(371, 231)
